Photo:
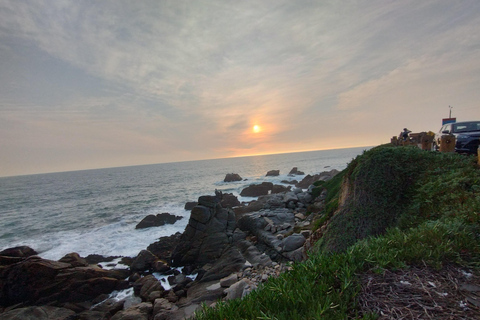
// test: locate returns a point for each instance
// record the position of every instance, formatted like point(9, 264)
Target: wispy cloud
point(194, 77)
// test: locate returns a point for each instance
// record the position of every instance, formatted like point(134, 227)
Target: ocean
point(96, 211)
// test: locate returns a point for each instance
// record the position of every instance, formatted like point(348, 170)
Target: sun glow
point(256, 128)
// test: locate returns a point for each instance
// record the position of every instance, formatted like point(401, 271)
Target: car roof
point(464, 121)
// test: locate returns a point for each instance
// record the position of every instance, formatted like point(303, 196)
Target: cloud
point(193, 77)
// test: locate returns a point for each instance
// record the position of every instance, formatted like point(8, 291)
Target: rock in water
point(157, 220)
point(231, 177)
point(256, 190)
point(295, 171)
point(273, 173)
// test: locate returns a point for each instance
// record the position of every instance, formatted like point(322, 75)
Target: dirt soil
point(422, 293)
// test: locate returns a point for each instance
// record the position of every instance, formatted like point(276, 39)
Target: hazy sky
point(88, 84)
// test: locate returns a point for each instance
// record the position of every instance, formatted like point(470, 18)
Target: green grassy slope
point(401, 206)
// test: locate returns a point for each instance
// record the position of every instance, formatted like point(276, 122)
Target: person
point(404, 134)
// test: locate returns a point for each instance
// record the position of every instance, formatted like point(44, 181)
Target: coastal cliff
point(398, 237)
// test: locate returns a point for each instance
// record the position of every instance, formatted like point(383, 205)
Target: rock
point(290, 181)
point(190, 205)
point(229, 201)
point(157, 220)
point(304, 197)
point(42, 281)
point(238, 290)
point(74, 259)
point(296, 255)
point(208, 233)
point(144, 261)
point(164, 247)
point(295, 171)
point(256, 190)
point(96, 258)
point(38, 313)
point(231, 177)
point(141, 311)
point(229, 280)
point(309, 179)
point(273, 173)
point(279, 189)
point(293, 242)
point(229, 262)
point(146, 285)
point(204, 291)
point(18, 252)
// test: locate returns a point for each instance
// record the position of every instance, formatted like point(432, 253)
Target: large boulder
point(157, 220)
point(295, 171)
point(229, 201)
point(231, 177)
point(190, 205)
point(256, 190)
point(208, 233)
point(273, 173)
point(39, 281)
point(164, 247)
point(18, 252)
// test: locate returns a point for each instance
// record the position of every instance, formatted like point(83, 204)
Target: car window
point(466, 126)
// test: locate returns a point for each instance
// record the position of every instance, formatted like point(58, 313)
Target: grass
point(433, 221)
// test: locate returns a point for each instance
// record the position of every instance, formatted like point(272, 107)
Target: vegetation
point(402, 207)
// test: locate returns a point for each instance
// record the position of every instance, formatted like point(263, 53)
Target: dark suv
point(467, 135)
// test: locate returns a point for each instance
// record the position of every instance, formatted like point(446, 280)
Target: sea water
point(96, 211)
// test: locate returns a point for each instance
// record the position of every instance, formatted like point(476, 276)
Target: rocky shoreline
point(227, 250)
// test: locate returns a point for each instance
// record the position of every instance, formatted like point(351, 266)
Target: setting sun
point(256, 128)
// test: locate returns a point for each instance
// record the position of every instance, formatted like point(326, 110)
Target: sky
point(95, 84)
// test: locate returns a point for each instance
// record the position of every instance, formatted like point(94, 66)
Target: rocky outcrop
point(163, 248)
point(229, 201)
point(208, 233)
point(256, 190)
point(295, 171)
point(157, 220)
point(273, 173)
point(39, 281)
point(231, 177)
point(190, 205)
point(310, 179)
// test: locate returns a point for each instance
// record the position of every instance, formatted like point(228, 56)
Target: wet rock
point(231, 177)
point(18, 252)
point(157, 220)
point(164, 247)
point(190, 205)
point(144, 261)
point(273, 173)
point(74, 259)
point(279, 189)
point(256, 190)
point(295, 171)
point(146, 285)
